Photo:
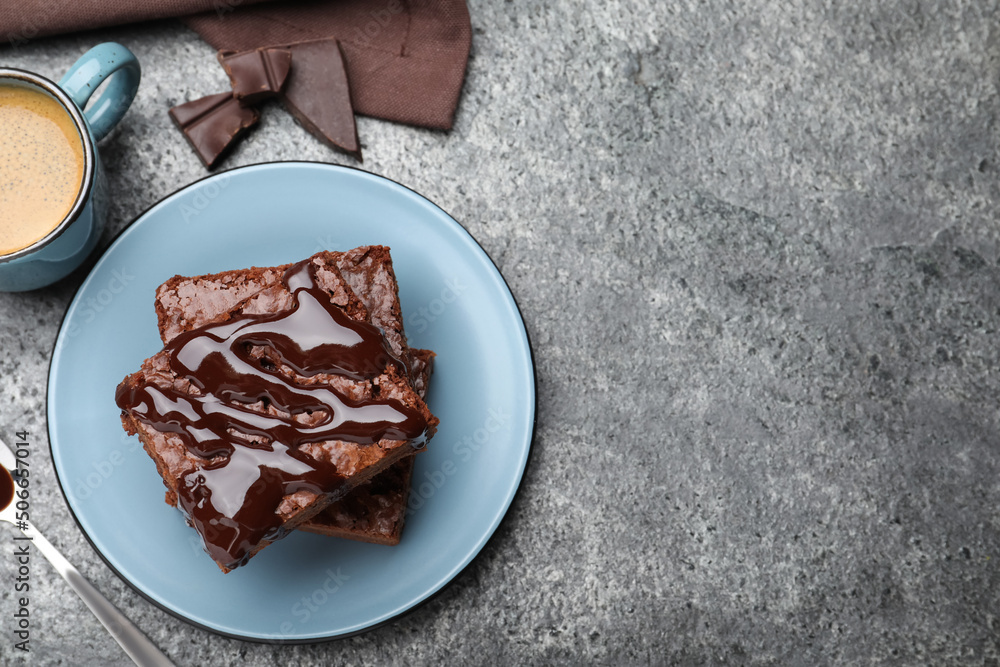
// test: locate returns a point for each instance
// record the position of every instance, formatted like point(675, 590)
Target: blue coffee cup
point(66, 247)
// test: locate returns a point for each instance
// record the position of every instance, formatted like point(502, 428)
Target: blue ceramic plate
point(305, 587)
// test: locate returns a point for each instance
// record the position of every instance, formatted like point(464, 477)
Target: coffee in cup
point(41, 165)
point(53, 199)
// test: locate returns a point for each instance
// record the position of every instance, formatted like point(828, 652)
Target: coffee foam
point(41, 165)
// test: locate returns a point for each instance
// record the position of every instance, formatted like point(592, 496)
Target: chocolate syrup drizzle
point(233, 499)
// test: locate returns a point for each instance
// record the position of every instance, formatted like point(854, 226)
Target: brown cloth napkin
point(21, 20)
point(406, 59)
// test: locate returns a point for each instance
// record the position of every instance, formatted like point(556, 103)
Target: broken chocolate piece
point(318, 94)
point(212, 124)
point(256, 75)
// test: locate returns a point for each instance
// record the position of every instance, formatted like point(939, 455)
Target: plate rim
point(394, 615)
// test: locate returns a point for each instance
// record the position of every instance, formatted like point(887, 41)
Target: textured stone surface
point(755, 245)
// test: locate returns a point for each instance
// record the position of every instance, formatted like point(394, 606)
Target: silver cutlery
point(138, 647)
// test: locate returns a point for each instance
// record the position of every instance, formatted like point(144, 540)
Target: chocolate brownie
point(183, 303)
point(374, 511)
point(261, 419)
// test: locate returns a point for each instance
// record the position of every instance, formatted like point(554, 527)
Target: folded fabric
point(405, 59)
point(27, 19)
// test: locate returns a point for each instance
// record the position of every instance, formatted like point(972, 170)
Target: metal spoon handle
point(142, 651)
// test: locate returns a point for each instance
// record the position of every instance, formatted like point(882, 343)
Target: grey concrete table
point(756, 247)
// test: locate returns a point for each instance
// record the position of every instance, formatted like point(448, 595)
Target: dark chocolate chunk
point(256, 75)
point(318, 94)
point(212, 124)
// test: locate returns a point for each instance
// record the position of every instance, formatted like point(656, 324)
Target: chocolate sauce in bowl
point(6, 489)
point(233, 499)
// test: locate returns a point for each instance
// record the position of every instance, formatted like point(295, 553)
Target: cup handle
point(103, 61)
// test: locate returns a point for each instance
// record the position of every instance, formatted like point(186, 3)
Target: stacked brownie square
point(284, 398)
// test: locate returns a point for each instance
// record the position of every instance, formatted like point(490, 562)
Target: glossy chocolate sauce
point(6, 489)
point(232, 500)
